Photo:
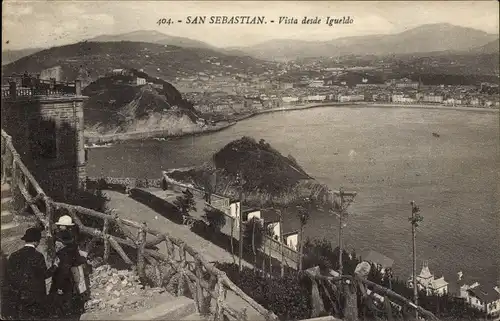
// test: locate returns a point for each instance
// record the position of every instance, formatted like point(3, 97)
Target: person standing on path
point(68, 301)
point(26, 274)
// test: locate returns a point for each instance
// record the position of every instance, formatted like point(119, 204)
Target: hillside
point(95, 59)
point(9, 56)
point(426, 38)
point(492, 47)
point(267, 175)
point(116, 105)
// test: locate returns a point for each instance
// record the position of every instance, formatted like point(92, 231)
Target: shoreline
point(131, 136)
point(113, 138)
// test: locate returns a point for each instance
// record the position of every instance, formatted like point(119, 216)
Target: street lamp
point(415, 219)
point(240, 181)
point(345, 199)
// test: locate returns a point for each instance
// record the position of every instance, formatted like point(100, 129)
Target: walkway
point(131, 209)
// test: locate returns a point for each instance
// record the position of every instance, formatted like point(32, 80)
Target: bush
point(215, 218)
point(287, 297)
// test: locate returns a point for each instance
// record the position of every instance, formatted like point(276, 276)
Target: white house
point(291, 239)
point(272, 221)
point(426, 281)
point(248, 214)
point(316, 98)
point(290, 99)
point(140, 81)
point(316, 83)
point(349, 98)
point(234, 211)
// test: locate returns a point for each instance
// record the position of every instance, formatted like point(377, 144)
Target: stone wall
point(48, 134)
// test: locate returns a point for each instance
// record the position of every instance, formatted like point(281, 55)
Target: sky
point(35, 24)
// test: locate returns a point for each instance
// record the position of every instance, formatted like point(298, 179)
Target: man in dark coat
point(26, 274)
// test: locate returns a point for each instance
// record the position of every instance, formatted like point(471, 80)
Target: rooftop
point(438, 283)
point(485, 293)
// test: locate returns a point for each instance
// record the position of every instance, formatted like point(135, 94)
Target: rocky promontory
point(254, 171)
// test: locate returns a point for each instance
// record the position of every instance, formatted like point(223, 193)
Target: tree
point(253, 233)
point(303, 218)
point(270, 233)
point(215, 218)
point(415, 219)
point(185, 203)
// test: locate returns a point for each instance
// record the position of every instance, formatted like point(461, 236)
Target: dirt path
point(130, 209)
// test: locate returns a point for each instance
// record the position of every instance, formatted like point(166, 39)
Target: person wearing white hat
point(65, 221)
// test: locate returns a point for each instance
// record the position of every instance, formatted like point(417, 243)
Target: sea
point(390, 157)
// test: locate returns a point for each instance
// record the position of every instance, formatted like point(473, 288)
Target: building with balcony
point(45, 120)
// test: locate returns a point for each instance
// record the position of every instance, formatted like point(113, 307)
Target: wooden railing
point(386, 304)
point(180, 268)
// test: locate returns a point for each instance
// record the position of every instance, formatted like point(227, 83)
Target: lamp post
point(240, 181)
point(415, 219)
point(345, 199)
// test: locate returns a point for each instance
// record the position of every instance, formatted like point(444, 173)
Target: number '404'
point(164, 21)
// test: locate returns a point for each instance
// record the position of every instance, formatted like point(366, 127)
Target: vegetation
point(253, 236)
point(215, 218)
point(185, 203)
point(303, 218)
point(287, 297)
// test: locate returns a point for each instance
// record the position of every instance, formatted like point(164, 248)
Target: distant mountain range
point(442, 37)
point(426, 38)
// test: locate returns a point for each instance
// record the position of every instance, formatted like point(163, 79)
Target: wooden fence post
point(50, 242)
point(199, 290)
point(182, 267)
point(219, 310)
point(141, 265)
point(106, 240)
point(351, 301)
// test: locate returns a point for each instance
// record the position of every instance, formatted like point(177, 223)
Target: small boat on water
point(436, 135)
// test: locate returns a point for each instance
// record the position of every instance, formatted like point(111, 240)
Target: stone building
point(45, 121)
point(54, 73)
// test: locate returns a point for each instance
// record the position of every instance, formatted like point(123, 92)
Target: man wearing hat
point(68, 302)
point(26, 274)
